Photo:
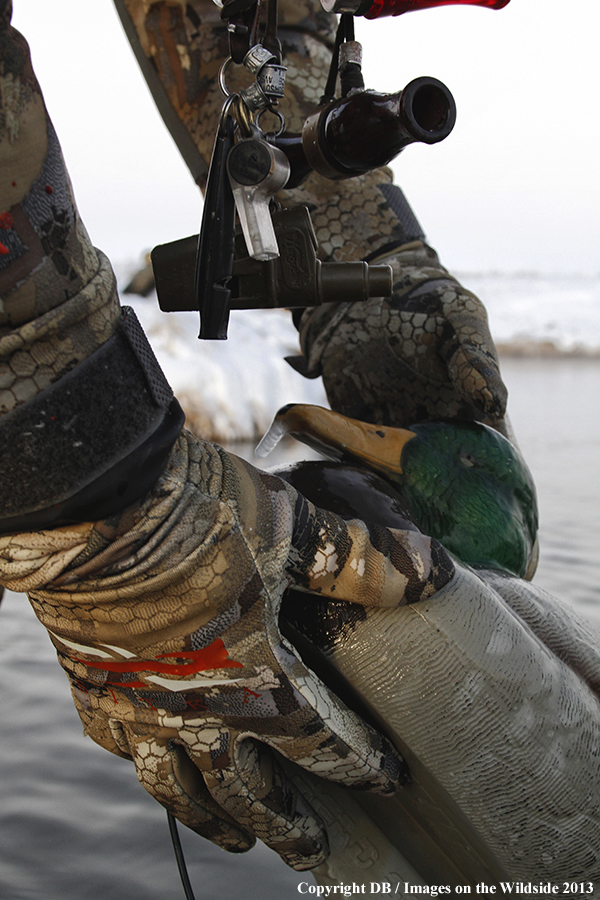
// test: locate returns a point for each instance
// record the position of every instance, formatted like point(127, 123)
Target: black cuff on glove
point(93, 442)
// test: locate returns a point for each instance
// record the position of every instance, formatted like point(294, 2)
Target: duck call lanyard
point(245, 170)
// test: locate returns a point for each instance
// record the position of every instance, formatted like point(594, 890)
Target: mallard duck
point(462, 482)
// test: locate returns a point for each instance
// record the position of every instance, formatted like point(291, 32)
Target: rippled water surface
point(555, 409)
point(75, 824)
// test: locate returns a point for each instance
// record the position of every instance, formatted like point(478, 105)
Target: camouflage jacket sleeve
point(206, 495)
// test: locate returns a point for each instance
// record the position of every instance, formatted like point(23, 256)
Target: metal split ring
point(229, 102)
point(276, 113)
point(224, 66)
point(243, 116)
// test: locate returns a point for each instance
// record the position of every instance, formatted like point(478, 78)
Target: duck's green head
point(469, 487)
point(464, 483)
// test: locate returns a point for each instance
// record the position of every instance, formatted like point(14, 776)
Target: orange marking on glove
point(215, 656)
point(151, 705)
point(249, 693)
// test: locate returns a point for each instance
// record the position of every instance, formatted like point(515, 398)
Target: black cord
point(183, 874)
point(329, 93)
point(348, 20)
point(270, 39)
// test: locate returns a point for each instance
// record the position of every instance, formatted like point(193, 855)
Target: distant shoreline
point(523, 348)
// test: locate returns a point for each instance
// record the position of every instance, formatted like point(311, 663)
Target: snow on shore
point(231, 390)
point(541, 315)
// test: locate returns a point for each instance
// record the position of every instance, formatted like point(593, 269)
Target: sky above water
point(516, 186)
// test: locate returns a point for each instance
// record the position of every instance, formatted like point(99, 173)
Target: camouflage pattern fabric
point(424, 353)
point(181, 47)
point(58, 294)
point(58, 309)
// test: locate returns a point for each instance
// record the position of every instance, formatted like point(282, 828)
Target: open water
point(75, 824)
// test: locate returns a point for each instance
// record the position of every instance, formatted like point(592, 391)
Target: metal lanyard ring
point(225, 111)
point(276, 113)
point(224, 66)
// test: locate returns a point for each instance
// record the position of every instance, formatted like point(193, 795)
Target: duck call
point(366, 129)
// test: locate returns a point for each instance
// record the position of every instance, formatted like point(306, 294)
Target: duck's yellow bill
point(339, 437)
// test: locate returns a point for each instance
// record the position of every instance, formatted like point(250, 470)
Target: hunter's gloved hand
point(165, 618)
point(426, 352)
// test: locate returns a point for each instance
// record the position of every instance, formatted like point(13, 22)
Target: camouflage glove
point(424, 353)
point(165, 618)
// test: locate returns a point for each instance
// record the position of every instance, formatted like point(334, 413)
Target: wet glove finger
point(256, 791)
point(165, 770)
point(340, 747)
